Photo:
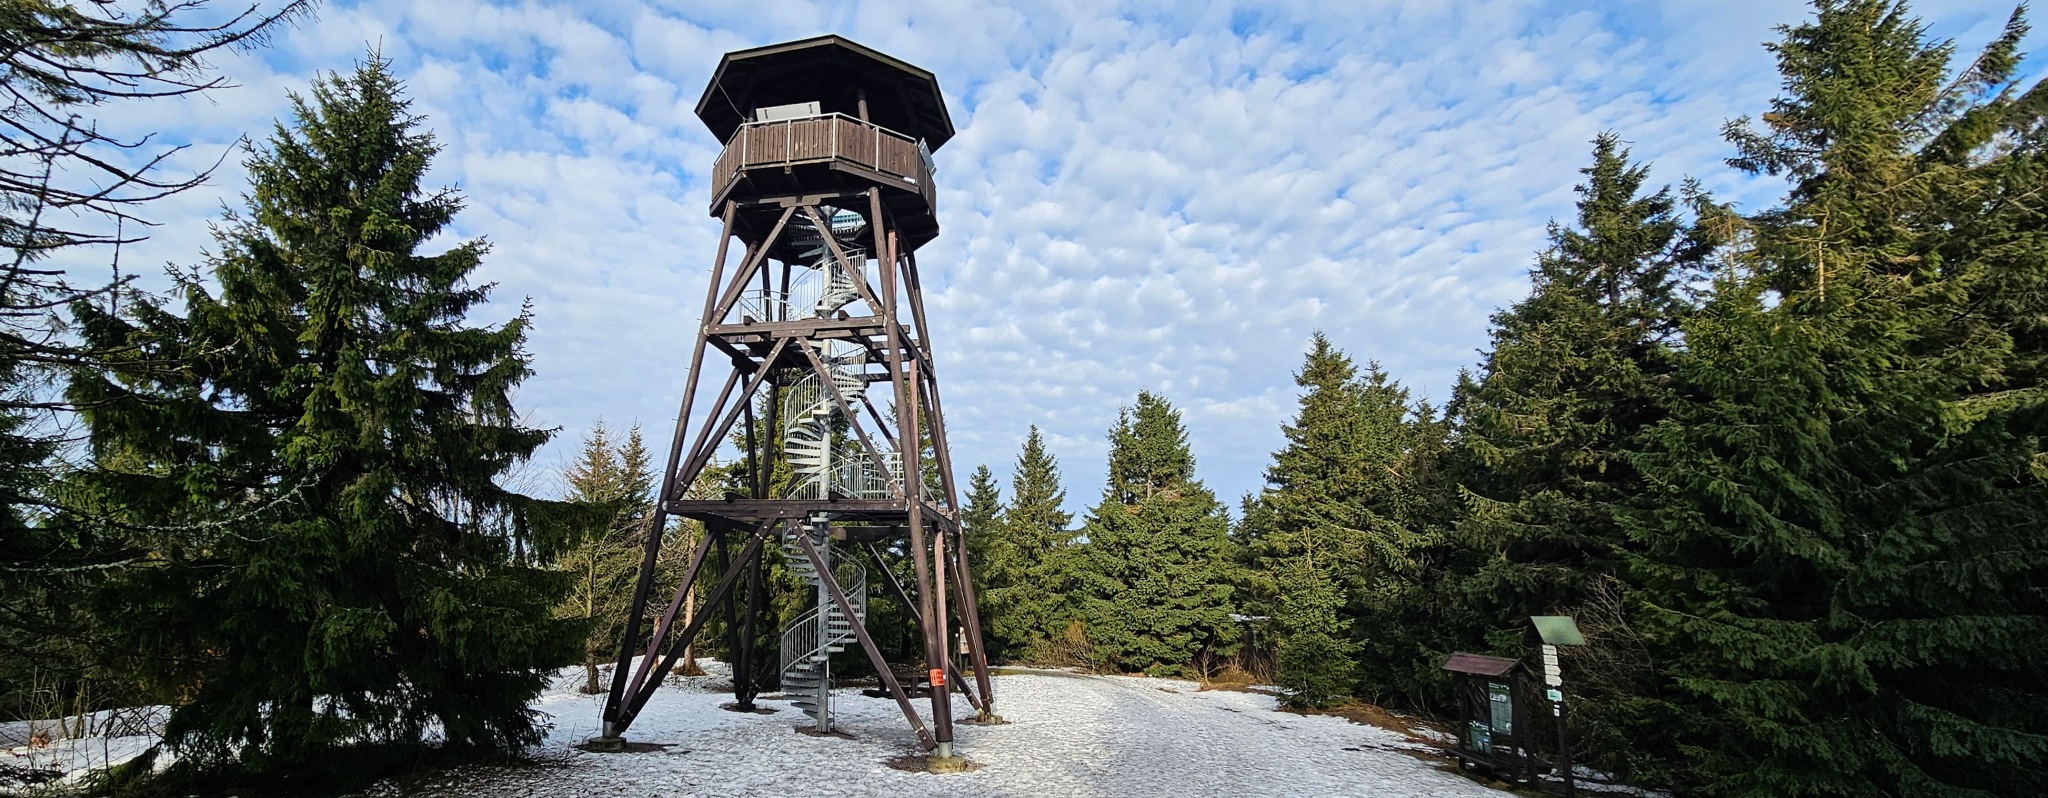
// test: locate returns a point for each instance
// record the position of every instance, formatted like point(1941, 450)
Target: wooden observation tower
point(826, 185)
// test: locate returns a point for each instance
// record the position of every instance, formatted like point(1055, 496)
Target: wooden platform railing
point(822, 138)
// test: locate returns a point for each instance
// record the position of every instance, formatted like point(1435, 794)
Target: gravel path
point(1069, 735)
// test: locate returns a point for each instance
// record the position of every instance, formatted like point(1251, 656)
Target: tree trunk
point(690, 616)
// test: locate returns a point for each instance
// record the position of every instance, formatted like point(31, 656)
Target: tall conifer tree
point(613, 478)
point(1157, 574)
point(995, 560)
point(1841, 559)
point(1574, 369)
point(1040, 607)
point(1334, 527)
point(321, 471)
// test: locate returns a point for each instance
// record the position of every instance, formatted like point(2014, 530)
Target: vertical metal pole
point(824, 699)
point(1564, 746)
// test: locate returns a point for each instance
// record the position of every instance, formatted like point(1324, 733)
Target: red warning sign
point(938, 677)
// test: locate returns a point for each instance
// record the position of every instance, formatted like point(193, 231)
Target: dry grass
point(1415, 729)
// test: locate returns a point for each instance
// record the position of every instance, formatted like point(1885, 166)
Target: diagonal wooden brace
point(719, 592)
point(867, 643)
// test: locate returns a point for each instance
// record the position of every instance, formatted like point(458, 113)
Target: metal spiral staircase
point(810, 640)
point(826, 464)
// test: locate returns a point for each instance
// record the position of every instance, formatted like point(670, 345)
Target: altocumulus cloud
point(1162, 195)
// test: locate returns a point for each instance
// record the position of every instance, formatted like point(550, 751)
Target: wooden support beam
point(658, 520)
point(719, 592)
point(867, 644)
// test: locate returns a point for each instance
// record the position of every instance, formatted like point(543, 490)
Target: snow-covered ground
point(1068, 735)
point(45, 749)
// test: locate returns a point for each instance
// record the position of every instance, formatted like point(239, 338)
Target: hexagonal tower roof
point(832, 71)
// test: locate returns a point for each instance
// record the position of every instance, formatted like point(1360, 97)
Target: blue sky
point(1161, 195)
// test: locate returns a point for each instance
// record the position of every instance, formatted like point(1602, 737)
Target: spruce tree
point(1576, 372)
point(1040, 609)
point(1840, 559)
point(1336, 522)
point(1574, 369)
point(637, 479)
point(614, 479)
point(1315, 650)
point(1157, 575)
point(994, 558)
point(315, 449)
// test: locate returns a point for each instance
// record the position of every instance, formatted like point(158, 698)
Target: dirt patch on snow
point(813, 731)
point(1240, 687)
point(1413, 728)
point(916, 763)
point(623, 747)
point(1422, 741)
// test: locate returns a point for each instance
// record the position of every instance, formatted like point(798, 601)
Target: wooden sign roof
point(1480, 664)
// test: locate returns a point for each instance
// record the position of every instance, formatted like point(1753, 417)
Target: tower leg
point(613, 702)
point(977, 653)
point(930, 564)
point(744, 687)
point(936, 635)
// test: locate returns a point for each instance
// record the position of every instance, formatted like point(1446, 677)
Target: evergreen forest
point(1784, 466)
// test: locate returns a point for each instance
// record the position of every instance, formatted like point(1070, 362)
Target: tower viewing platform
point(860, 118)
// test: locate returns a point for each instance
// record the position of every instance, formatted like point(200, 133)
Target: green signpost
point(1558, 630)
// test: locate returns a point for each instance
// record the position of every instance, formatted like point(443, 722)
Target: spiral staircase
point(810, 640)
point(825, 462)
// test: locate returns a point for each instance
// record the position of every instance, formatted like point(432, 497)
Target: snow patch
point(1068, 734)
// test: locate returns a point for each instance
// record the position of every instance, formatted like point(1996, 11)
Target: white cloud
point(1167, 196)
